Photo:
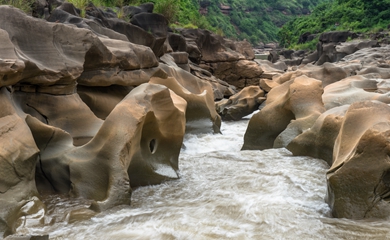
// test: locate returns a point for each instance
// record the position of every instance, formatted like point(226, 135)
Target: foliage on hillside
point(24, 5)
point(256, 20)
point(354, 15)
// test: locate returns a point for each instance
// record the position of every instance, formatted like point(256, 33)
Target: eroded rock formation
point(351, 136)
point(19, 198)
point(318, 141)
point(358, 180)
point(201, 114)
point(91, 107)
point(138, 144)
point(241, 104)
point(290, 109)
point(80, 115)
point(225, 59)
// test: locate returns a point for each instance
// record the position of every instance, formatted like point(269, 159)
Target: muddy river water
point(223, 193)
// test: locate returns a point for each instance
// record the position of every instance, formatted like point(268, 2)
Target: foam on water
point(224, 193)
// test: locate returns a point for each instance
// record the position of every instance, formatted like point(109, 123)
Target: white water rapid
point(223, 193)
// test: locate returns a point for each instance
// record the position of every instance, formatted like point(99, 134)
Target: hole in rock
point(386, 178)
point(152, 146)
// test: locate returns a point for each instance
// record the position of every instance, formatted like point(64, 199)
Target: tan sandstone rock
point(19, 202)
point(290, 109)
point(353, 89)
point(358, 180)
point(267, 85)
point(318, 141)
point(327, 73)
point(240, 73)
point(67, 112)
point(42, 47)
point(201, 115)
point(138, 144)
point(270, 69)
point(370, 57)
point(241, 104)
point(11, 67)
point(221, 88)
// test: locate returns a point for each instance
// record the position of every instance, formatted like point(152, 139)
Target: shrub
point(353, 15)
point(24, 5)
point(168, 8)
point(79, 3)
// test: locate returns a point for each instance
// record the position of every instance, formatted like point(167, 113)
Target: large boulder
point(130, 11)
point(42, 46)
point(306, 37)
point(318, 141)
point(135, 34)
point(102, 100)
point(227, 60)
point(271, 70)
point(157, 25)
point(86, 57)
point(138, 144)
point(240, 73)
point(240, 104)
point(356, 45)
point(11, 67)
point(115, 62)
point(354, 89)
point(104, 83)
point(334, 52)
point(211, 46)
point(370, 57)
point(243, 47)
point(178, 42)
point(67, 112)
point(221, 88)
point(358, 180)
point(19, 199)
point(68, 16)
point(327, 73)
point(336, 36)
point(95, 57)
point(290, 109)
point(201, 116)
point(327, 53)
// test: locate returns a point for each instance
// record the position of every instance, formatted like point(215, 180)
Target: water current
point(222, 193)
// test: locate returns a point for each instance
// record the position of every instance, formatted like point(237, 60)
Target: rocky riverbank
point(335, 107)
point(93, 107)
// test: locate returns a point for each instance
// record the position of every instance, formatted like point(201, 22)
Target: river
point(222, 193)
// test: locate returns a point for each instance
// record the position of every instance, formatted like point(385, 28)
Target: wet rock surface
point(358, 178)
point(241, 104)
point(290, 109)
point(81, 116)
point(93, 107)
point(348, 127)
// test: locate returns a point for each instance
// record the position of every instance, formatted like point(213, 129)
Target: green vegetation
point(353, 15)
point(24, 5)
point(182, 13)
point(99, 3)
point(254, 20)
point(168, 8)
point(310, 45)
